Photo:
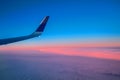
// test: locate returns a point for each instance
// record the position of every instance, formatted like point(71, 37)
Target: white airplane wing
point(37, 33)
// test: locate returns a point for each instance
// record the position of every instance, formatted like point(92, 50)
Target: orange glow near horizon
point(71, 50)
point(87, 52)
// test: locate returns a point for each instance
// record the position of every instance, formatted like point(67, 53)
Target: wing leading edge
point(37, 33)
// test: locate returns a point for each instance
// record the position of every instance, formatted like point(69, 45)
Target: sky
point(70, 20)
point(72, 23)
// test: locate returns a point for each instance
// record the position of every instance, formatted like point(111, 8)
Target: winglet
point(42, 24)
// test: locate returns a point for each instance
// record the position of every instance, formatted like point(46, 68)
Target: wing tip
point(42, 24)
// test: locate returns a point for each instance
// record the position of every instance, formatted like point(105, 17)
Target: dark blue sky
point(69, 19)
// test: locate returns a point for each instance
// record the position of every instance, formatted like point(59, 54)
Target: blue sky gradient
point(69, 19)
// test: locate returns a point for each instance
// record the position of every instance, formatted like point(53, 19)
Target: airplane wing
point(37, 33)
